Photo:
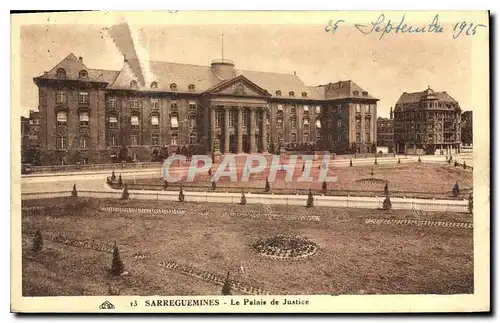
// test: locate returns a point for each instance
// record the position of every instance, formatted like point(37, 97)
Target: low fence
point(87, 167)
point(298, 200)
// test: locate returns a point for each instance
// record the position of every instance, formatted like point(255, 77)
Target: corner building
point(151, 109)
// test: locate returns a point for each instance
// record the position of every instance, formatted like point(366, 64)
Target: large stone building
point(467, 128)
point(151, 108)
point(427, 122)
point(385, 133)
point(30, 127)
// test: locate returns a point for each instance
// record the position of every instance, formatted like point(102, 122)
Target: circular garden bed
point(285, 247)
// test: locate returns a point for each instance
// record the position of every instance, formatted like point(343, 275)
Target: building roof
point(415, 97)
point(343, 90)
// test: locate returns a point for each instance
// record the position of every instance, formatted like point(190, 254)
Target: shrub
point(74, 192)
point(419, 160)
point(465, 166)
point(375, 161)
point(471, 203)
point(117, 266)
point(214, 186)
point(37, 241)
point(456, 163)
point(125, 194)
point(310, 199)
point(399, 161)
point(181, 195)
point(387, 205)
point(243, 199)
point(120, 181)
point(165, 185)
point(268, 186)
point(113, 176)
point(386, 188)
point(371, 173)
point(456, 190)
point(226, 288)
point(303, 167)
point(449, 160)
point(350, 162)
point(324, 187)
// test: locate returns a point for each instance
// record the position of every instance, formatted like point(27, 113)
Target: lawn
point(417, 180)
point(353, 257)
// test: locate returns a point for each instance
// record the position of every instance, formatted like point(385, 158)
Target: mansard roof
point(416, 97)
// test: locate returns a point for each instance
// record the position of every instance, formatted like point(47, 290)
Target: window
point(192, 138)
point(306, 108)
point(173, 141)
point(355, 93)
point(134, 103)
point(112, 102)
point(245, 118)
point(306, 136)
point(192, 105)
point(134, 140)
point(83, 74)
point(84, 118)
point(293, 110)
point(155, 140)
point(60, 97)
point(367, 108)
point(318, 123)
point(280, 107)
point(133, 84)
point(191, 87)
point(218, 118)
point(306, 122)
point(155, 120)
point(173, 87)
point(293, 123)
point(367, 136)
point(134, 120)
point(280, 123)
point(278, 93)
point(304, 94)
point(365, 93)
point(291, 93)
point(83, 143)
point(61, 73)
point(339, 123)
point(62, 117)
point(232, 118)
point(85, 160)
point(154, 85)
point(83, 97)
point(173, 107)
point(62, 142)
point(294, 137)
point(174, 121)
point(113, 122)
point(358, 137)
point(154, 104)
point(192, 121)
point(358, 123)
point(318, 109)
point(358, 108)
point(113, 140)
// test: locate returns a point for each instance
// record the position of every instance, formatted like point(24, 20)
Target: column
point(253, 125)
point(212, 128)
point(226, 130)
point(239, 148)
point(264, 130)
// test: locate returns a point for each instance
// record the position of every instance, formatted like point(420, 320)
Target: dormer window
point(365, 93)
point(61, 72)
point(191, 87)
point(83, 74)
point(278, 93)
point(133, 84)
point(173, 87)
point(304, 94)
point(356, 93)
point(154, 85)
point(291, 93)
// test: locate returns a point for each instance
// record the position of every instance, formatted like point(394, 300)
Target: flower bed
point(141, 210)
point(104, 247)
point(271, 216)
point(419, 223)
point(285, 247)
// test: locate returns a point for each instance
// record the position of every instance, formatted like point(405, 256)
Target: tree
point(324, 187)
point(268, 186)
point(37, 241)
point(226, 288)
point(387, 205)
point(165, 185)
point(181, 195)
point(243, 199)
point(113, 176)
point(350, 162)
point(471, 203)
point(74, 192)
point(310, 199)
point(456, 190)
point(125, 194)
point(386, 188)
point(120, 181)
point(117, 266)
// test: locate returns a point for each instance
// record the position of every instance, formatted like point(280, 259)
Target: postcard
point(250, 162)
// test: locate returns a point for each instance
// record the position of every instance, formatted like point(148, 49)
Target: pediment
point(239, 85)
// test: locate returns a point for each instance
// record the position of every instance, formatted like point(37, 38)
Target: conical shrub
point(117, 266)
point(181, 195)
point(120, 181)
point(268, 186)
point(456, 190)
point(74, 192)
point(376, 163)
point(113, 176)
point(387, 205)
point(324, 187)
point(226, 288)
point(310, 199)
point(214, 186)
point(399, 161)
point(465, 166)
point(386, 188)
point(165, 185)
point(419, 160)
point(243, 199)
point(350, 162)
point(125, 194)
point(37, 242)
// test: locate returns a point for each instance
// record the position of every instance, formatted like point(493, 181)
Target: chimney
point(45, 72)
point(294, 73)
point(125, 59)
point(80, 59)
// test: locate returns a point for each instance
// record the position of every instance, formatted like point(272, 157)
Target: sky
point(384, 67)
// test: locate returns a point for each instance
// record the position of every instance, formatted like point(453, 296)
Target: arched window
point(291, 93)
point(154, 85)
point(278, 93)
point(83, 74)
point(173, 87)
point(61, 72)
point(133, 84)
point(191, 87)
point(304, 94)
